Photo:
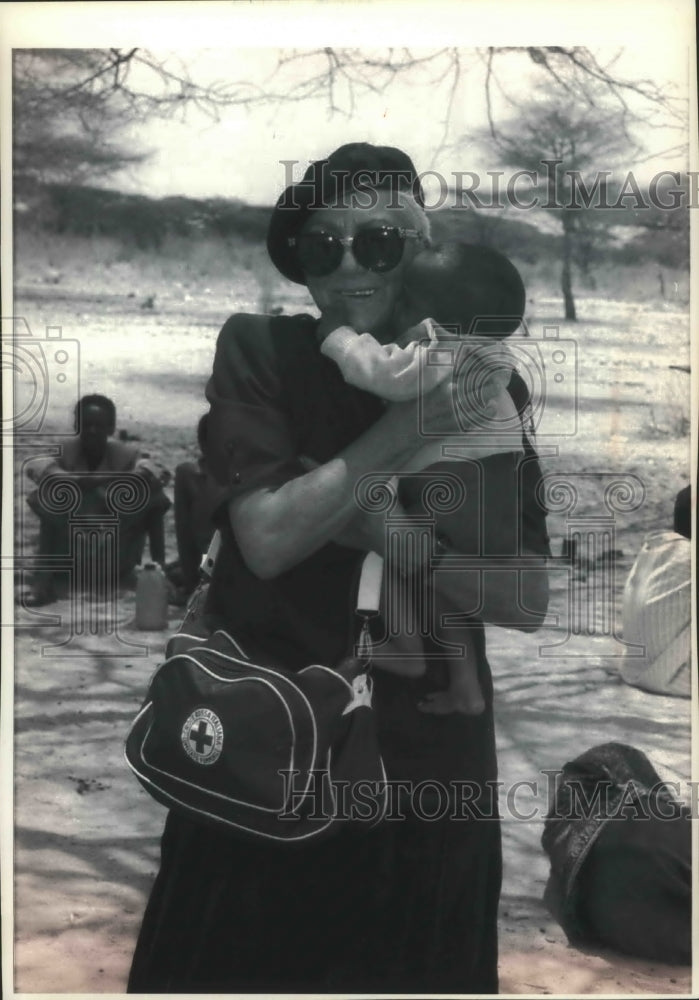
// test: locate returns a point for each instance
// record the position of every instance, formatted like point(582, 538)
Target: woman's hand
point(432, 416)
point(419, 332)
point(458, 405)
point(428, 331)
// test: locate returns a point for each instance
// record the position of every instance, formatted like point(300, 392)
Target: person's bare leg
point(402, 655)
point(463, 694)
point(53, 541)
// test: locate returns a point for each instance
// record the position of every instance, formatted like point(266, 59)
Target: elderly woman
point(410, 906)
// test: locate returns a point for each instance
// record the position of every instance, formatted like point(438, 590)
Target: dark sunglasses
point(375, 248)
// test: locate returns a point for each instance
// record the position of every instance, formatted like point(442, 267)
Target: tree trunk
point(566, 282)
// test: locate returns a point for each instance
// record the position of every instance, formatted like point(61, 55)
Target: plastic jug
point(151, 599)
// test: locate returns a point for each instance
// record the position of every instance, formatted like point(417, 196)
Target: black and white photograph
point(349, 476)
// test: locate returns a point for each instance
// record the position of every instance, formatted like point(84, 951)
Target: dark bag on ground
point(619, 843)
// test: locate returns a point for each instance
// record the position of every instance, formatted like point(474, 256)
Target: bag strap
point(208, 560)
point(368, 602)
point(369, 591)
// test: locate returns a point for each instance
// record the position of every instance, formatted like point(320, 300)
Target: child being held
point(472, 291)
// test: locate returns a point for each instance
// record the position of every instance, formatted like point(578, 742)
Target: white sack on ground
point(657, 616)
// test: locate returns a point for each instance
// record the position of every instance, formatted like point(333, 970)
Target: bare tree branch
point(95, 92)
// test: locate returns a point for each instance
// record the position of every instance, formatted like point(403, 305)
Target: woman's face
point(366, 299)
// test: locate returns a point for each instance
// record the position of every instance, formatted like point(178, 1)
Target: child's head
point(461, 285)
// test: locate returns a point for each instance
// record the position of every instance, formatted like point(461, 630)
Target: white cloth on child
point(401, 373)
point(386, 370)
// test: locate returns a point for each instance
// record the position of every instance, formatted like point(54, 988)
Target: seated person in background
point(682, 513)
point(194, 502)
point(470, 290)
point(90, 460)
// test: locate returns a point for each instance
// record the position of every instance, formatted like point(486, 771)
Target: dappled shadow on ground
point(87, 835)
point(84, 872)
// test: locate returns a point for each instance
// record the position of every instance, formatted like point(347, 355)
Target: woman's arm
point(278, 528)
point(283, 517)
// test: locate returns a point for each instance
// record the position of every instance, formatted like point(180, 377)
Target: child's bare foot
point(446, 702)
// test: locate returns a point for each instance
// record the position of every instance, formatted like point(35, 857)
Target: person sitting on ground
point(195, 499)
point(473, 291)
point(682, 513)
point(92, 460)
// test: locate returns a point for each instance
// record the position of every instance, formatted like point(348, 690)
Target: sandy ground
point(86, 847)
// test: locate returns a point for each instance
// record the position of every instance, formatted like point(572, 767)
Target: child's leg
point(402, 655)
point(464, 692)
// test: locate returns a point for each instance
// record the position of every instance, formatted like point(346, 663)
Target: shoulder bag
point(230, 739)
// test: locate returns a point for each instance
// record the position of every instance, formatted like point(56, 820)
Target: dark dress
point(408, 907)
point(194, 497)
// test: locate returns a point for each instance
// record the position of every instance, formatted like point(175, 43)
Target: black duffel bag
point(619, 842)
point(232, 740)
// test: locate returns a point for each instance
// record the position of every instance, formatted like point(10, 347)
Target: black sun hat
point(353, 167)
